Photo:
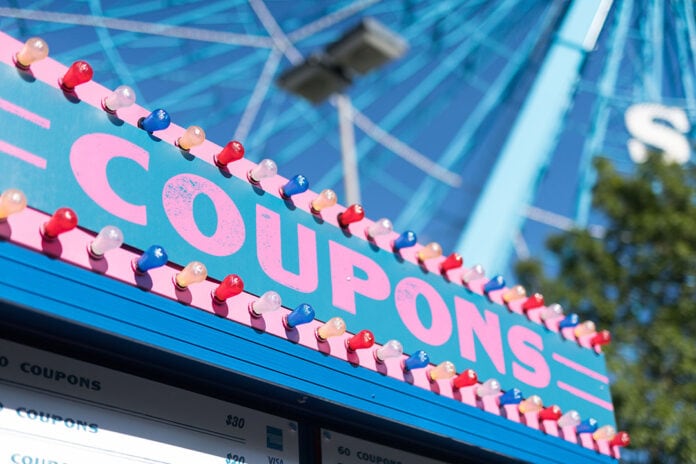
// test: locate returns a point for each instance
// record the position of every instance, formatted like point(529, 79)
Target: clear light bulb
point(382, 227)
point(12, 201)
point(265, 169)
point(194, 272)
point(233, 151)
point(531, 404)
point(429, 251)
point(552, 311)
point(466, 379)
point(490, 387)
point(361, 340)
point(109, 238)
point(569, 419)
point(302, 314)
point(230, 286)
point(63, 220)
point(80, 72)
point(606, 432)
point(34, 49)
point(193, 137)
point(334, 327)
point(122, 97)
point(585, 328)
point(268, 302)
point(326, 199)
point(444, 370)
point(391, 349)
point(515, 293)
point(474, 273)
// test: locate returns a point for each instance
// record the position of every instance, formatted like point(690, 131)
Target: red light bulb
point(353, 213)
point(602, 338)
point(63, 220)
point(551, 413)
point(620, 439)
point(233, 151)
point(230, 286)
point(466, 379)
point(453, 261)
point(362, 339)
point(534, 301)
point(78, 73)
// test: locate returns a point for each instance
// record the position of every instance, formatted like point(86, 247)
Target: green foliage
point(639, 281)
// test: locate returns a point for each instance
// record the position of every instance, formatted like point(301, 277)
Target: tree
point(638, 281)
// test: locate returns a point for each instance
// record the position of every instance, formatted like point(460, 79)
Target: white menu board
point(57, 410)
point(337, 448)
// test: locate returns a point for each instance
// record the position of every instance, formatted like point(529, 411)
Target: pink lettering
point(89, 156)
point(345, 284)
point(523, 342)
point(178, 196)
point(269, 252)
point(406, 296)
point(486, 330)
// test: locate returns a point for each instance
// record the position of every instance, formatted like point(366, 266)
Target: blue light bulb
point(587, 426)
point(496, 283)
point(303, 314)
point(571, 320)
point(157, 120)
point(513, 396)
point(417, 360)
point(297, 184)
point(153, 257)
point(405, 240)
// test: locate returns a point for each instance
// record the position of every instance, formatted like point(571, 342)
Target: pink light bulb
point(472, 274)
point(193, 136)
point(391, 349)
point(488, 388)
point(268, 302)
point(326, 199)
point(444, 370)
point(265, 169)
point(531, 404)
point(122, 97)
point(429, 251)
point(515, 293)
point(382, 227)
point(569, 419)
point(334, 327)
point(194, 272)
point(12, 201)
point(34, 49)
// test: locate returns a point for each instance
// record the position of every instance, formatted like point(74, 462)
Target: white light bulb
point(391, 349)
point(269, 301)
point(266, 168)
point(552, 311)
point(474, 273)
point(109, 238)
point(382, 227)
point(122, 97)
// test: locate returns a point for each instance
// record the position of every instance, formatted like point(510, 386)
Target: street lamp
point(362, 49)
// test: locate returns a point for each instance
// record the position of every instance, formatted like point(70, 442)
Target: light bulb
point(122, 97)
point(453, 261)
point(429, 251)
point(12, 201)
point(587, 426)
point(153, 257)
point(326, 199)
point(569, 419)
point(585, 328)
point(472, 274)
point(620, 439)
point(194, 272)
point(268, 302)
point(230, 286)
point(34, 49)
point(552, 311)
point(296, 185)
point(381, 227)
point(63, 220)
point(193, 137)
point(571, 320)
point(155, 121)
point(334, 327)
point(606, 432)
point(552, 413)
point(515, 293)
point(490, 387)
point(78, 73)
point(513, 396)
point(405, 240)
point(302, 314)
point(354, 213)
point(602, 338)
point(233, 151)
point(466, 379)
point(361, 340)
point(391, 349)
point(444, 370)
point(109, 238)
point(265, 169)
point(531, 404)
point(533, 302)
point(496, 283)
point(417, 360)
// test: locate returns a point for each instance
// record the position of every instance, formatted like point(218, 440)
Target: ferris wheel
point(448, 137)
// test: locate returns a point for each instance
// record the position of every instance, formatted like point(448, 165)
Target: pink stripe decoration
point(580, 368)
point(23, 155)
point(25, 114)
point(585, 396)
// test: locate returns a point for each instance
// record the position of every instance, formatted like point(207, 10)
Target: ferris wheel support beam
point(489, 234)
